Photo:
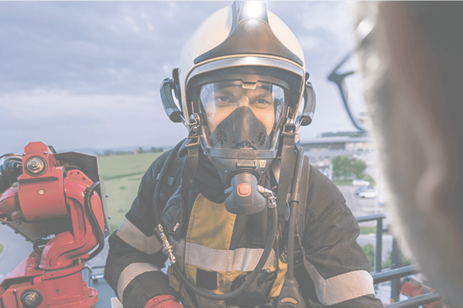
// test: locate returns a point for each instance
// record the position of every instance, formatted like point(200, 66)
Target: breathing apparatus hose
point(93, 221)
point(250, 279)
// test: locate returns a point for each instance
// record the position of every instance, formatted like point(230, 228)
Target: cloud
point(78, 46)
point(309, 42)
point(87, 74)
point(328, 16)
point(98, 121)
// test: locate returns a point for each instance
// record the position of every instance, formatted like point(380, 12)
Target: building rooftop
point(336, 140)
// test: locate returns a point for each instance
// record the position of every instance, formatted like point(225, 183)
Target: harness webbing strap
point(303, 191)
point(191, 162)
point(288, 159)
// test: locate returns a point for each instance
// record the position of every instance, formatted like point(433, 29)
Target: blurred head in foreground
point(412, 66)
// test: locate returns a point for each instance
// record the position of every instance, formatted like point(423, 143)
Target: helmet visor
point(242, 114)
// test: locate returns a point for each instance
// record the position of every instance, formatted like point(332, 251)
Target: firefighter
point(411, 64)
point(242, 217)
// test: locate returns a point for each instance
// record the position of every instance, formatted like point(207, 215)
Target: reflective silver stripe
point(130, 234)
point(218, 260)
point(129, 273)
point(343, 287)
point(246, 60)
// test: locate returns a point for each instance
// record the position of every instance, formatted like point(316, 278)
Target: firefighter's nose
point(244, 101)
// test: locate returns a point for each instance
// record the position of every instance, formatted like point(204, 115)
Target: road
point(359, 206)
point(363, 207)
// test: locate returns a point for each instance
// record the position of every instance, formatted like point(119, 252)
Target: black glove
point(258, 292)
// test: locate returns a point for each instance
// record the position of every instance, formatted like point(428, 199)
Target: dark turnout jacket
point(217, 249)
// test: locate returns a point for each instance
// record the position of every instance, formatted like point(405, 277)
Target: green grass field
point(121, 177)
point(1, 247)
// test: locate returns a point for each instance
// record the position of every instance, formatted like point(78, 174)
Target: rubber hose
point(93, 220)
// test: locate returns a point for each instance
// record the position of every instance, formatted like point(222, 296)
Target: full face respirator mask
point(239, 127)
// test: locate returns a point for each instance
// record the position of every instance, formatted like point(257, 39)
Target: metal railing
point(397, 271)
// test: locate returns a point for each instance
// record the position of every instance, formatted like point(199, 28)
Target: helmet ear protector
point(309, 101)
point(169, 86)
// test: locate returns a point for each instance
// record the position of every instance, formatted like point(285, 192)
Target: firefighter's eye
point(261, 103)
point(224, 100)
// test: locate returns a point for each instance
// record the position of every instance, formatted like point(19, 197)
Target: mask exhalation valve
point(244, 198)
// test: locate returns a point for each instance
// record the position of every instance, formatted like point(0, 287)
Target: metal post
point(396, 259)
point(379, 245)
point(87, 274)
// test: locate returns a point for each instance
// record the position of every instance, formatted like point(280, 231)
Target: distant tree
point(336, 167)
point(345, 167)
point(140, 150)
point(341, 167)
point(358, 168)
point(155, 150)
point(388, 262)
point(369, 250)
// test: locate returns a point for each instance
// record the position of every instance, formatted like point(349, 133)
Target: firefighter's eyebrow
point(226, 91)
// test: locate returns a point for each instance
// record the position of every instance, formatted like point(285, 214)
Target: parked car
point(363, 188)
point(360, 182)
point(368, 193)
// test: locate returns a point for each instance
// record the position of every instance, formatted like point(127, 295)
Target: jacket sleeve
point(135, 258)
point(337, 266)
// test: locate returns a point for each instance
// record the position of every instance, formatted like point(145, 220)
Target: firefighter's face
point(226, 99)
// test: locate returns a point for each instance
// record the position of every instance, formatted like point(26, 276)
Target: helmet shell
point(206, 50)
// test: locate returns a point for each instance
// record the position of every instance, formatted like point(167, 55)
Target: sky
point(86, 75)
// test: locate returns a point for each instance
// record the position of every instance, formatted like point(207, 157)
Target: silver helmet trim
point(245, 61)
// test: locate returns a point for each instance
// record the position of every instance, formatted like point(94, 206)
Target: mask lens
point(265, 101)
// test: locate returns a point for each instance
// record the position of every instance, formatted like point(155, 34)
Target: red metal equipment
point(53, 196)
point(414, 286)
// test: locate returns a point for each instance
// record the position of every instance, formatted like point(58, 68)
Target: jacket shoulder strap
point(169, 180)
point(303, 191)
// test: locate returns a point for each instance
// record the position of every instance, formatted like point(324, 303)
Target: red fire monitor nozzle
point(55, 203)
